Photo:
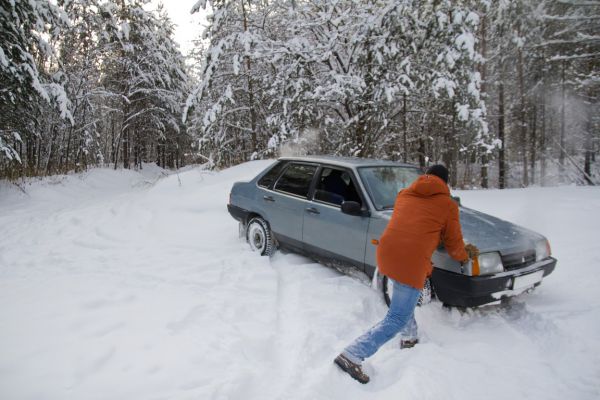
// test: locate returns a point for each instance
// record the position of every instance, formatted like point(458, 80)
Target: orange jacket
point(423, 214)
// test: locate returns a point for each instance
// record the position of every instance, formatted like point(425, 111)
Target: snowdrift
point(119, 285)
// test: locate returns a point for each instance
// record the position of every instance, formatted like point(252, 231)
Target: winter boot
point(408, 343)
point(352, 369)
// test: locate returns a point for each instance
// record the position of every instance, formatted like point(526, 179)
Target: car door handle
point(312, 210)
point(268, 198)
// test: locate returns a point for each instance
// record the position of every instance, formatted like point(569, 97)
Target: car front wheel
point(427, 294)
point(259, 236)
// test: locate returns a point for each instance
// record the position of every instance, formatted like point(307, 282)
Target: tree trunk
point(125, 136)
point(589, 143)
point(561, 157)
point(483, 73)
point(404, 131)
point(501, 137)
point(533, 141)
point(30, 151)
point(125, 139)
point(117, 149)
point(587, 168)
point(588, 159)
point(523, 120)
point(453, 153)
point(543, 137)
point(112, 142)
point(61, 153)
point(38, 159)
point(421, 151)
point(50, 150)
point(68, 147)
point(250, 89)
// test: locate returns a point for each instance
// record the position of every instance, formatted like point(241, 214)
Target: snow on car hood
point(489, 233)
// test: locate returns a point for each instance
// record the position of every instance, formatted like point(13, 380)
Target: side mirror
point(456, 199)
point(352, 208)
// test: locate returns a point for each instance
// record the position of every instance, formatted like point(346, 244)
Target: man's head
point(438, 170)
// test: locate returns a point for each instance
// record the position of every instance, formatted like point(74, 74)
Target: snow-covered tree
point(571, 44)
point(28, 72)
point(536, 49)
point(144, 75)
point(345, 70)
point(88, 82)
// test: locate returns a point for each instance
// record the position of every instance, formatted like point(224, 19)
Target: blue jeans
point(400, 318)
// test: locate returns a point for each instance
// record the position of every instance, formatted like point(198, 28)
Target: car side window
point(270, 177)
point(296, 179)
point(335, 186)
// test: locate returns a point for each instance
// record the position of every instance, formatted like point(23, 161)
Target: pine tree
point(30, 82)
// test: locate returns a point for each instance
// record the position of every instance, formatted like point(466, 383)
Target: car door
point(327, 231)
point(286, 202)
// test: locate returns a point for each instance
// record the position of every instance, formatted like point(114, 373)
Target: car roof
point(348, 162)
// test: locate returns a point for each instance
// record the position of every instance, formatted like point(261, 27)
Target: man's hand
point(472, 251)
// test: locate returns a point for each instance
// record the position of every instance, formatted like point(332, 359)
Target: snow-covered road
point(116, 286)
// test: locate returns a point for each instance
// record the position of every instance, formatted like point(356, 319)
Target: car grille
point(518, 260)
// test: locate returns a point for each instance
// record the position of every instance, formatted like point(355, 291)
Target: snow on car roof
point(349, 162)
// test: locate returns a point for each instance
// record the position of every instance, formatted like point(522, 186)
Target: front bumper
point(472, 291)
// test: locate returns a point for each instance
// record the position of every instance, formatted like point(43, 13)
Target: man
point(423, 213)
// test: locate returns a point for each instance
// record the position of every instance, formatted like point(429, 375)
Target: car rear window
point(270, 177)
point(296, 179)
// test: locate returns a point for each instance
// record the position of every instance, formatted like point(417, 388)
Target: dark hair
point(438, 170)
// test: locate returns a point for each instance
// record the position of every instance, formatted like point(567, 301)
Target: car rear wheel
point(427, 294)
point(259, 236)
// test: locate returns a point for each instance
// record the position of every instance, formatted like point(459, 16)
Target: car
point(335, 209)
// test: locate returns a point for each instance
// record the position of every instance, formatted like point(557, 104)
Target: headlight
point(542, 249)
point(488, 264)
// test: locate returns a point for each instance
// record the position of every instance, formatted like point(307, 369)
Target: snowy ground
point(116, 285)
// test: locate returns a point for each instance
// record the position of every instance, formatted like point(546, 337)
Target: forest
point(505, 93)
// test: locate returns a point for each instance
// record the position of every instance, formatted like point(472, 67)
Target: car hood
point(489, 233)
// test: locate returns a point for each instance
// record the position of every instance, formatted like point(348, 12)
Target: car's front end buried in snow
point(471, 291)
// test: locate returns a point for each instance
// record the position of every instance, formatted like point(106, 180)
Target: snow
point(443, 83)
point(462, 111)
point(273, 142)
point(3, 59)
point(60, 96)
point(236, 64)
point(198, 5)
point(126, 285)
point(125, 29)
point(466, 41)
point(8, 151)
point(472, 18)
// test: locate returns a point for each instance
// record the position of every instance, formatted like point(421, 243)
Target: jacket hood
point(428, 185)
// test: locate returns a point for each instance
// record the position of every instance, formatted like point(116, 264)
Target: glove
point(472, 251)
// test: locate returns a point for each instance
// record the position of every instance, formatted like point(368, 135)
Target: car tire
point(427, 294)
point(259, 236)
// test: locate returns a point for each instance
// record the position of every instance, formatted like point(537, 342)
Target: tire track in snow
point(289, 323)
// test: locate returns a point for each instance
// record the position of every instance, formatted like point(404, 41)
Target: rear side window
point(270, 177)
point(296, 179)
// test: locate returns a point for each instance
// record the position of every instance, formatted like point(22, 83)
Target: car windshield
point(383, 183)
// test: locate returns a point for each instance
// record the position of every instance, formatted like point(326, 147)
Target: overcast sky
point(188, 26)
